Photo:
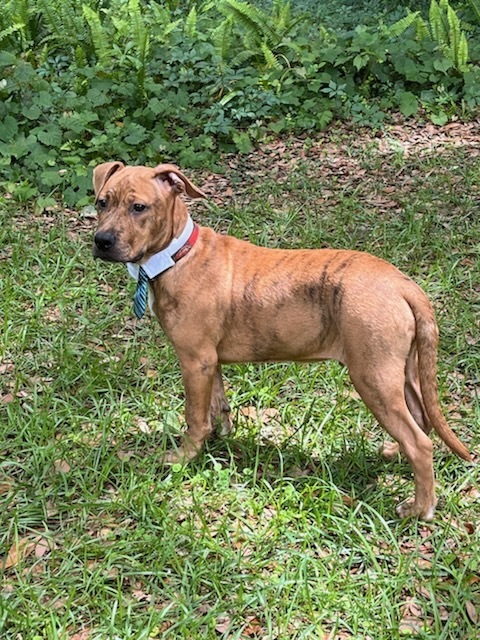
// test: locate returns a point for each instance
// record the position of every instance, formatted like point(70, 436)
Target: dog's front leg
point(198, 378)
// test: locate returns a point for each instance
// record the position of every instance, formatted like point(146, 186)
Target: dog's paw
point(224, 424)
point(389, 450)
point(410, 509)
point(182, 455)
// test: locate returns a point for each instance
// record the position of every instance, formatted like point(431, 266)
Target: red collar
point(182, 252)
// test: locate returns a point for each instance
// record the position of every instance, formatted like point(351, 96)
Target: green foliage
point(85, 82)
point(443, 28)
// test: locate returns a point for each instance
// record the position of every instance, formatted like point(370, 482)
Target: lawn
point(287, 528)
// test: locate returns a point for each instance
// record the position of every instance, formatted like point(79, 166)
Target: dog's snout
point(105, 240)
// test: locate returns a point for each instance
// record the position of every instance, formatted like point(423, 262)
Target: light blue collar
point(161, 261)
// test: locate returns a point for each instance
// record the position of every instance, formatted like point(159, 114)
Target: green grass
point(287, 528)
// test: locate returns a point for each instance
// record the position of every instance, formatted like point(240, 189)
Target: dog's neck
point(166, 258)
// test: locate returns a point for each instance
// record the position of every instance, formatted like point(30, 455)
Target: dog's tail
point(427, 343)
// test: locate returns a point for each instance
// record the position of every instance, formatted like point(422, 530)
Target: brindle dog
point(229, 301)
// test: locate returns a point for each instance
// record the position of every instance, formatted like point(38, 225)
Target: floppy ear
point(103, 172)
point(178, 182)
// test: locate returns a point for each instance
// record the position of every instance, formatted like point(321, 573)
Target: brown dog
point(222, 300)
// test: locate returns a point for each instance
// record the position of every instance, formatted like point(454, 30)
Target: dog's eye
point(102, 203)
point(138, 208)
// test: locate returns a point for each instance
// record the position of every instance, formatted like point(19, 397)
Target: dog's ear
point(103, 172)
point(179, 183)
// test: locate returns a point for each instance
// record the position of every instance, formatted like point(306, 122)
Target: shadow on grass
point(352, 471)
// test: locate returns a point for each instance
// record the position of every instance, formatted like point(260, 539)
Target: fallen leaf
point(19, 550)
point(253, 627)
point(6, 485)
point(43, 546)
point(471, 611)
point(81, 635)
point(223, 624)
point(142, 425)
point(61, 465)
point(141, 596)
point(9, 397)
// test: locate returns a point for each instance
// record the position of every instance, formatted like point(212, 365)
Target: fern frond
point(6, 33)
point(98, 36)
point(254, 21)
point(422, 32)
point(436, 23)
point(191, 22)
point(281, 14)
point(242, 57)
point(462, 56)
point(269, 56)
point(138, 29)
point(222, 38)
point(162, 22)
point(399, 27)
point(64, 23)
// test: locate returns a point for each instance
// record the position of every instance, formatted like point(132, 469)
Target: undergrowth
point(148, 82)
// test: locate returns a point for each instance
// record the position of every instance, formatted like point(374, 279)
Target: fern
point(252, 19)
point(281, 14)
point(443, 27)
point(398, 28)
point(422, 32)
point(162, 22)
point(98, 36)
point(263, 34)
point(191, 23)
point(462, 56)
point(222, 39)
point(14, 28)
point(269, 56)
point(139, 31)
point(65, 26)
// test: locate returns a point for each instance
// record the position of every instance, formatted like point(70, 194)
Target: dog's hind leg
point(219, 407)
point(414, 400)
point(382, 387)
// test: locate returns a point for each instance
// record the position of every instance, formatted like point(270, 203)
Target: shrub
point(146, 82)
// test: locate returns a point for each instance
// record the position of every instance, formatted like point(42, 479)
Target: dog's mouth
point(111, 255)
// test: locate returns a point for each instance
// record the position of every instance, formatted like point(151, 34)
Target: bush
point(145, 82)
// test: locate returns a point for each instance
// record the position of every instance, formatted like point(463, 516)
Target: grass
point(287, 528)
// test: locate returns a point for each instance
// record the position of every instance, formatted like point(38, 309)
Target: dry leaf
point(61, 465)
point(125, 456)
point(471, 611)
point(142, 425)
point(223, 624)
point(42, 546)
point(9, 397)
point(5, 485)
point(253, 627)
point(18, 552)
point(81, 635)
point(141, 596)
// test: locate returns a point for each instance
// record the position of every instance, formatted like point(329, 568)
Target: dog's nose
point(105, 240)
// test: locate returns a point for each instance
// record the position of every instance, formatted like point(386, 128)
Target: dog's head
point(137, 209)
